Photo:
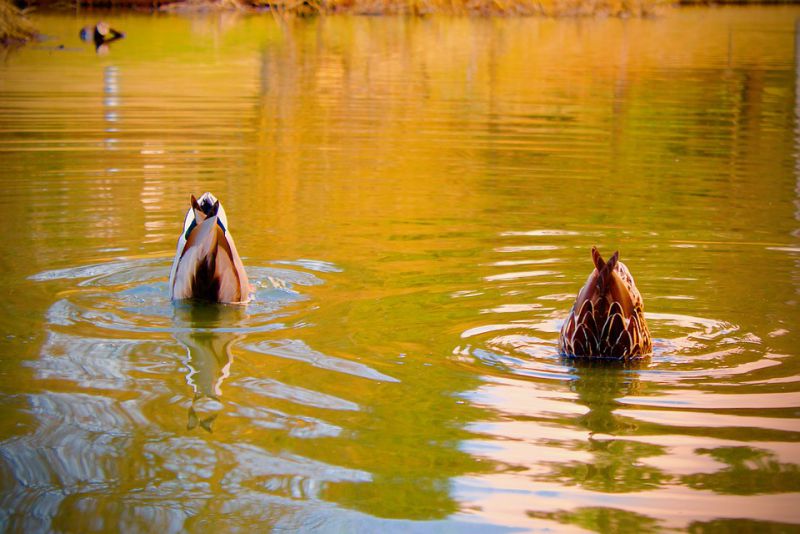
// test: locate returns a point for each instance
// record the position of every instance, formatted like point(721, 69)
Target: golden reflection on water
point(415, 201)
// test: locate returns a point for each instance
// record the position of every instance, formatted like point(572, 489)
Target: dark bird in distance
point(101, 34)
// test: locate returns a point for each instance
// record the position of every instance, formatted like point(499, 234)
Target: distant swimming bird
point(207, 265)
point(101, 33)
point(607, 319)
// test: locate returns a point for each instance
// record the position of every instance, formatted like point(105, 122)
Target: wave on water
point(184, 390)
point(132, 295)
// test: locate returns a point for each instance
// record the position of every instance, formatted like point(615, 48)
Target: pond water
point(415, 200)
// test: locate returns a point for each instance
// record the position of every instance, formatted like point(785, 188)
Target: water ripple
point(111, 389)
point(276, 389)
point(131, 296)
point(295, 349)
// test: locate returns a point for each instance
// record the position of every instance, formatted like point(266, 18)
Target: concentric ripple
point(572, 432)
point(132, 295)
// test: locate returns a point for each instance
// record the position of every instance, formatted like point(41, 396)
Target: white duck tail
point(207, 265)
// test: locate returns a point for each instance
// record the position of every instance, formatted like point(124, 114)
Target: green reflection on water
point(749, 471)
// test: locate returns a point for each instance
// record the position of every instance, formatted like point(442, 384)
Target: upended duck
point(607, 319)
point(207, 265)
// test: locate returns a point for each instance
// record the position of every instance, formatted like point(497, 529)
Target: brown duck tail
point(599, 263)
point(606, 273)
point(605, 269)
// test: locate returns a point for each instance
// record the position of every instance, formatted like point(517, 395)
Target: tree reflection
point(209, 355)
point(750, 471)
point(602, 519)
point(725, 526)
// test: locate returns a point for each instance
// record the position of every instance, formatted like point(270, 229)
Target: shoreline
point(17, 29)
point(488, 8)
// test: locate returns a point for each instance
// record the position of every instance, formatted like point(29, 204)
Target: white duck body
point(207, 265)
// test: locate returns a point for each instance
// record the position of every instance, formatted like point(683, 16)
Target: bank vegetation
point(430, 7)
point(15, 28)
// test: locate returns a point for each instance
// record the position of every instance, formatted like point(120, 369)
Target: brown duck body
point(607, 319)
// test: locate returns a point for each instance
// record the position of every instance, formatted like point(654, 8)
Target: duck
point(207, 265)
point(607, 319)
point(101, 34)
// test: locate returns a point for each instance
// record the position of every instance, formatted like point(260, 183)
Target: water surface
point(415, 201)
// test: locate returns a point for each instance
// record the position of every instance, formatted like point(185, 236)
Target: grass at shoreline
point(557, 8)
point(547, 8)
point(487, 7)
point(14, 27)
point(497, 7)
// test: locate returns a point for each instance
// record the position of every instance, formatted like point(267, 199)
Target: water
point(415, 201)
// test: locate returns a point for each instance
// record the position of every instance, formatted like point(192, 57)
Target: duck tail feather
point(604, 280)
point(597, 259)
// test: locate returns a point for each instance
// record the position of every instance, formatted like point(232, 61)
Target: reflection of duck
point(209, 356)
point(607, 319)
point(101, 33)
point(207, 265)
point(616, 462)
point(599, 385)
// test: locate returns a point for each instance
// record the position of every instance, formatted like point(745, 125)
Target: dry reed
point(500, 7)
point(464, 7)
point(14, 27)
